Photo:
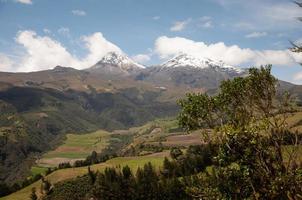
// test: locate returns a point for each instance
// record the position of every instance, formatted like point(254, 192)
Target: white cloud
point(43, 52)
point(166, 47)
point(256, 34)
point(5, 63)
point(24, 1)
point(79, 12)
point(156, 17)
point(244, 25)
point(267, 15)
point(205, 18)
point(298, 77)
point(282, 12)
point(64, 31)
point(205, 22)
point(97, 46)
point(180, 25)
point(298, 42)
point(141, 58)
point(47, 31)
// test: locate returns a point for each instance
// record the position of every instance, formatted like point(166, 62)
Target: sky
point(41, 34)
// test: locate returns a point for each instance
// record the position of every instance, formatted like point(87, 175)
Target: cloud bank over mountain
point(234, 55)
point(44, 52)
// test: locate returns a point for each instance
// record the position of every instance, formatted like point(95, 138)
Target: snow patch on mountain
point(186, 60)
point(118, 59)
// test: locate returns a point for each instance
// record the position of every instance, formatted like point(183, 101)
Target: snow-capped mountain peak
point(118, 59)
point(186, 60)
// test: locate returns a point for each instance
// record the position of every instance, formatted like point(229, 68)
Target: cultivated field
point(76, 147)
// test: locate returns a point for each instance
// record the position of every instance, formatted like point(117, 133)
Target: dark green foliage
point(33, 195)
point(175, 152)
point(115, 184)
point(8, 189)
point(143, 148)
point(194, 108)
point(94, 158)
point(71, 190)
point(170, 169)
point(64, 165)
point(91, 175)
point(4, 189)
point(147, 182)
point(239, 102)
point(195, 160)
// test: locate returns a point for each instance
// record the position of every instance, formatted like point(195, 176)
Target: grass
point(38, 170)
point(71, 155)
point(64, 174)
point(288, 150)
point(294, 119)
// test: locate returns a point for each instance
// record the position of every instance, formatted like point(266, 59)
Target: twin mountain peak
point(119, 62)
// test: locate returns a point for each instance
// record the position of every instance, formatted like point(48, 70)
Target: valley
point(151, 142)
point(123, 112)
point(156, 136)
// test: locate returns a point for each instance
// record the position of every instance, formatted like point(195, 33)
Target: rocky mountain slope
point(190, 71)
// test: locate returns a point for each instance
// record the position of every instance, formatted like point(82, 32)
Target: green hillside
point(65, 174)
point(35, 120)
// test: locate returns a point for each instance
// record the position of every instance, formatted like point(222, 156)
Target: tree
point(45, 186)
point(91, 175)
point(251, 131)
point(175, 152)
point(147, 182)
point(128, 183)
point(33, 195)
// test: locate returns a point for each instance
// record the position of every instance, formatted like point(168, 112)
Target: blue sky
point(39, 34)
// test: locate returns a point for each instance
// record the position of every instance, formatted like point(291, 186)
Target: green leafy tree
point(250, 123)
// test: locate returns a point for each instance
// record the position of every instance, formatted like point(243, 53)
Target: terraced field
point(76, 147)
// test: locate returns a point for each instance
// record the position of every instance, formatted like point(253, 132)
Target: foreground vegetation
point(252, 131)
